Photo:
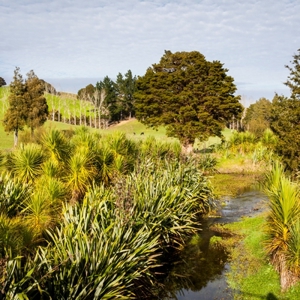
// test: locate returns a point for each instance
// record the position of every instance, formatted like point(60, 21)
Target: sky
point(72, 43)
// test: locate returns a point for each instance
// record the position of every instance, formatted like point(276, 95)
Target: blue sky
point(72, 43)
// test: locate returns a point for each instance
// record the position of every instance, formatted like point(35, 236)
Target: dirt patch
point(120, 123)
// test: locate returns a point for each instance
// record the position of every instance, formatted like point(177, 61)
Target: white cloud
point(84, 39)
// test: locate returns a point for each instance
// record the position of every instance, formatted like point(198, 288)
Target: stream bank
point(201, 271)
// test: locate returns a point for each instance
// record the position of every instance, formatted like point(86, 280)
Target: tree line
point(192, 97)
point(282, 116)
point(114, 100)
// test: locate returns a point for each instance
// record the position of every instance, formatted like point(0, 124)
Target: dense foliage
point(283, 226)
point(27, 104)
point(37, 107)
point(258, 115)
point(193, 97)
point(90, 217)
point(285, 124)
point(285, 118)
point(15, 116)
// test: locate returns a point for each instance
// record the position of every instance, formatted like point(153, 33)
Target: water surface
point(200, 272)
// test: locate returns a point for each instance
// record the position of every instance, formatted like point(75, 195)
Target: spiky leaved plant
point(124, 150)
point(154, 149)
point(56, 146)
point(80, 172)
point(293, 250)
point(26, 162)
point(105, 164)
point(283, 216)
point(40, 214)
point(92, 256)
point(15, 237)
point(13, 193)
point(269, 139)
point(166, 197)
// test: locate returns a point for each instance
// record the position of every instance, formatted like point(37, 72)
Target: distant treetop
point(86, 93)
point(2, 82)
point(48, 88)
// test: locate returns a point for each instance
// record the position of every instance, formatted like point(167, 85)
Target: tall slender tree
point(37, 104)
point(111, 97)
point(16, 114)
point(126, 86)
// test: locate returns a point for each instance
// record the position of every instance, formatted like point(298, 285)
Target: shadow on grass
point(269, 296)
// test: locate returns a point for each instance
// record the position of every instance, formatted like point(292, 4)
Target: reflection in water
point(199, 267)
point(198, 272)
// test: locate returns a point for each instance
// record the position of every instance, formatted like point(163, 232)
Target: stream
point(201, 271)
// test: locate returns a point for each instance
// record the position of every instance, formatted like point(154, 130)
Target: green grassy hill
point(72, 106)
point(69, 105)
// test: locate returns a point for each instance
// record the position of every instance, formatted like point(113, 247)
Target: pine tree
point(111, 98)
point(129, 86)
point(37, 105)
point(15, 116)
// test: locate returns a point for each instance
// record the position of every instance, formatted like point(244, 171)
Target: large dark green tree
point(257, 118)
point(15, 116)
point(193, 97)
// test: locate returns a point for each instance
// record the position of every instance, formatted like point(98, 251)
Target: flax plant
point(282, 221)
point(13, 193)
point(168, 198)
point(92, 255)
